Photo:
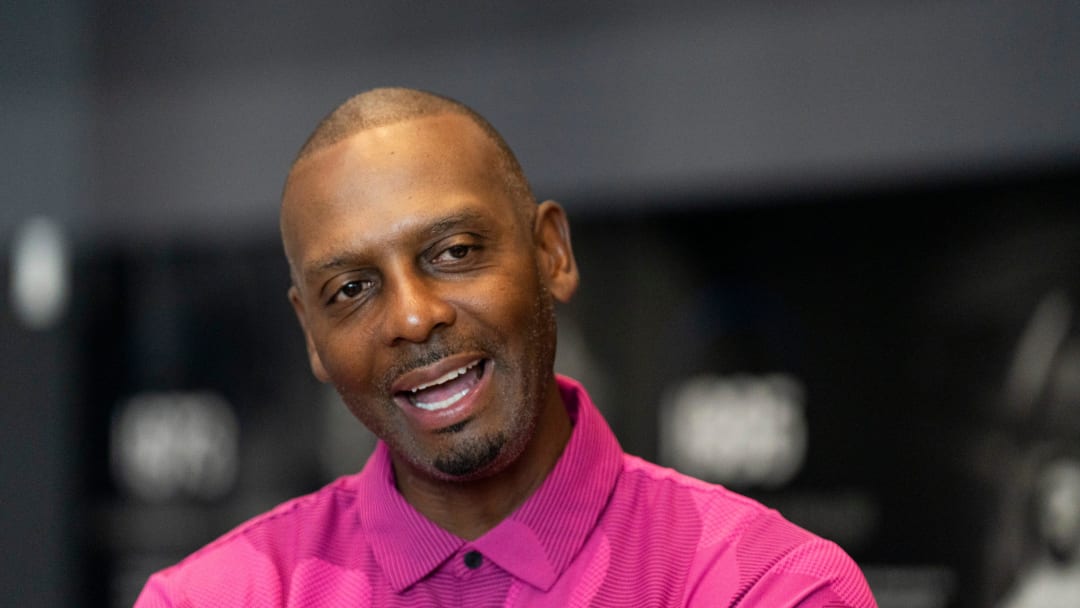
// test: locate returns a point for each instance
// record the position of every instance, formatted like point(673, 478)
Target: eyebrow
point(437, 227)
point(450, 222)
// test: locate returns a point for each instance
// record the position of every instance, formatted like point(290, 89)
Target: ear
point(551, 233)
point(313, 355)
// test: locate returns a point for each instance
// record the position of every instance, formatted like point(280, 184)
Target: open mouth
point(448, 389)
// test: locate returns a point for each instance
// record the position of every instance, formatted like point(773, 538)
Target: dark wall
point(183, 118)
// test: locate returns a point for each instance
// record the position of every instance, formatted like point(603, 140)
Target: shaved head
point(386, 106)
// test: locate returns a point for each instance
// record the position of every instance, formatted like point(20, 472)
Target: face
point(425, 292)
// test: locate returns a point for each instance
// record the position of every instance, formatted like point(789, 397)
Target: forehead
point(378, 184)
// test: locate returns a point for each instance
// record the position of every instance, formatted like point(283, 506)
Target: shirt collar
point(406, 544)
point(540, 540)
point(536, 543)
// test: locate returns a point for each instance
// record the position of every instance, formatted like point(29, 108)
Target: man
point(424, 276)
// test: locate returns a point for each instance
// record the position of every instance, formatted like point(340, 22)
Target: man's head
point(385, 106)
point(423, 276)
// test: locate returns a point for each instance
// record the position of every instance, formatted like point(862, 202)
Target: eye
point(458, 251)
point(350, 290)
point(454, 253)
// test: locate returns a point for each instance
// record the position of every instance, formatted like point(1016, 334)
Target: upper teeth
point(448, 376)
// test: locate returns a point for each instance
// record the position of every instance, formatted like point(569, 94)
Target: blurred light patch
point(1058, 509)
point(175, 445)
point(1032, 365)
point(740, 431)
point(39, 273)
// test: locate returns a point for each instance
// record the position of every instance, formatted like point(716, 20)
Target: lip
point(429, 373)
point(460, 411)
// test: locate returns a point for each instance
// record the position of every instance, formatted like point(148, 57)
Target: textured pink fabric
point(605, 529)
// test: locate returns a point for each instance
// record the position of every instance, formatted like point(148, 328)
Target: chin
point(474, 458)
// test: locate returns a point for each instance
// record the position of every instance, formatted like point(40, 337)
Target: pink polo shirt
point(604, 529)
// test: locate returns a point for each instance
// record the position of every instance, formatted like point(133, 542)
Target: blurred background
point(829, 255)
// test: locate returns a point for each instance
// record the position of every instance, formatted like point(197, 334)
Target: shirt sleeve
point(818, 574)
point(230, 574)
point(769, 562)
point(153, 595)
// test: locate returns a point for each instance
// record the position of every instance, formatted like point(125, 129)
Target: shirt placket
point(482, 583)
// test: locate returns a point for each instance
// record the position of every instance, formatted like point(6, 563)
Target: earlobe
point(313, 355)
point(556, 255)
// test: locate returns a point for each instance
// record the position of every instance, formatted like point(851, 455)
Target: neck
point(470, 508)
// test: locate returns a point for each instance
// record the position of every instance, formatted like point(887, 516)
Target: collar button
point(473, 560)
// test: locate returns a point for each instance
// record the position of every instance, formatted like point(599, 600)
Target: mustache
point(426, 354)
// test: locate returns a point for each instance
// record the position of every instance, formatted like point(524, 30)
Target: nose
point(415, 307)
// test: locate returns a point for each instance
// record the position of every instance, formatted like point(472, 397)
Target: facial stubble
point(474, 457)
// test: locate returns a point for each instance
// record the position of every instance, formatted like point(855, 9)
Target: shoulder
point(289, 530)
point(256, 558)
point(719, 510)
point(742, 550)
point(715, 517)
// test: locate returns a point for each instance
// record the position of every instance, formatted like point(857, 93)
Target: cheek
point(347, 356)
point(512, 299)
point(507, 313)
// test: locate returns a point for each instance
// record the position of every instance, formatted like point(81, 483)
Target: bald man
point(424, 277)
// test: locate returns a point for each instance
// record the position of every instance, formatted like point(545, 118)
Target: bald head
point(386, 106)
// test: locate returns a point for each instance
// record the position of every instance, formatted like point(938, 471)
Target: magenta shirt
point(604, 529)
